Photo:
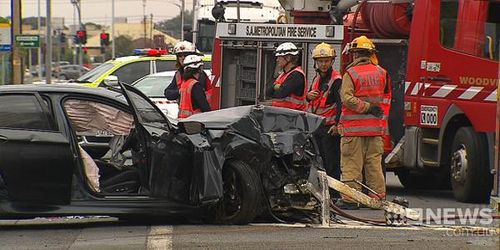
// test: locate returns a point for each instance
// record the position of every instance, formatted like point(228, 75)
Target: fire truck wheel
point(241, 200)
point(469, 172)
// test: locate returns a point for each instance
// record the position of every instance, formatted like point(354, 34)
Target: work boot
point(347, 205)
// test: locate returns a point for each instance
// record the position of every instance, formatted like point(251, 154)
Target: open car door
point(150, 126)
point(179, 166)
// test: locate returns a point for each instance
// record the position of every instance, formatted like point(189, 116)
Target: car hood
point(274, 128)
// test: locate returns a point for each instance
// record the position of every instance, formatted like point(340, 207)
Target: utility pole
point(144, 20)
point(74, 32)
point(80, 25)
point(17, 71)
point(48, 56)
point(183, 2)
point(113, 29)
point(80, 59)
point(40, 34)
point(195, 23)
point(151, 28)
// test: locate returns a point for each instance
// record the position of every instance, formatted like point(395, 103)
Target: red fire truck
point(495, 193)
point(443, 59)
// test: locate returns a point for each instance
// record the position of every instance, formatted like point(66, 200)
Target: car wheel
point(63, 77)
point(241, 200)
point(469, 172)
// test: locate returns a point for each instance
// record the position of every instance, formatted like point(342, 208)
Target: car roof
point(169, 57)
point(171, 73)
point(164, 73)
point(70, 65)
point(64, 88)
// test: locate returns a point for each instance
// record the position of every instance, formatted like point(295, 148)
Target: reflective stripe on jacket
point(369, 84)
point(292, 101)
point(207, 86)
point(318, 106)
point(186, 103)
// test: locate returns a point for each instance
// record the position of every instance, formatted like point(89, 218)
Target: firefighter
point(181, 50)
point(365, 93)
point(290, 88)
point(324, 100)
point(192, 95)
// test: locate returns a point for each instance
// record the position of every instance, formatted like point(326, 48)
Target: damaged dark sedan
point(227, 166)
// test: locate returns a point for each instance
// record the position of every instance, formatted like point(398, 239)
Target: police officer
point(324, 100)
point(363, 122)
point(193, 99)
point(181, 50)
point(290, 88)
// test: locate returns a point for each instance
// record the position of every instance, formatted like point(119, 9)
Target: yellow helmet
point(323, 50)
point(361, 42)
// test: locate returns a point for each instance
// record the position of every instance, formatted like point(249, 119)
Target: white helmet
point(286, 49)
point(185, 47)
point(193, 61)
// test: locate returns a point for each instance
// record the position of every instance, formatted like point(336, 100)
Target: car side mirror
point(191, 128)
point(111, 81)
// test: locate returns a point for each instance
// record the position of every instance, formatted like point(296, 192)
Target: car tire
point(63, 77)
point(470, 177)
point(241, 201)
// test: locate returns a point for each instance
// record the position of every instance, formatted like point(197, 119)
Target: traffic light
point(104, 39)
point(62, 38)
point(81, 36)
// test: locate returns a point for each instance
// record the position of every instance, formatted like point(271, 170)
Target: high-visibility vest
point(208, 84)
point(186, 103)
point(369, 84)
point(178, 79)
point(292, 101)
point(318, 106)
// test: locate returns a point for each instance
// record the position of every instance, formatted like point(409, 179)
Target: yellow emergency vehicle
point(128, 69)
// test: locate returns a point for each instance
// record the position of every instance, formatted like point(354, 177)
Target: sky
point(99, 11)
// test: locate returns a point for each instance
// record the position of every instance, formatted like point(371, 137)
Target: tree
point(123, 47)
point(4, 20)
point(173, 26)
point(33, 21)
point(94, 25)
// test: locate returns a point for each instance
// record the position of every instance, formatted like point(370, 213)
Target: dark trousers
point(329, 147)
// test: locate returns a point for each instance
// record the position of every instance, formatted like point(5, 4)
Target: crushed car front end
point(272, 151)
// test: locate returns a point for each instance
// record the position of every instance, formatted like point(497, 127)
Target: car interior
point(114, 172)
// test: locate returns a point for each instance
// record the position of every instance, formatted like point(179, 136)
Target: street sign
point(5, 47)
point(27, 41)
point(5, 42)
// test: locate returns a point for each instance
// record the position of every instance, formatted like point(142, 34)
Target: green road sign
point(27, 41)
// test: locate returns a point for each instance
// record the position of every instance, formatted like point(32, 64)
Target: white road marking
point(160, 237)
